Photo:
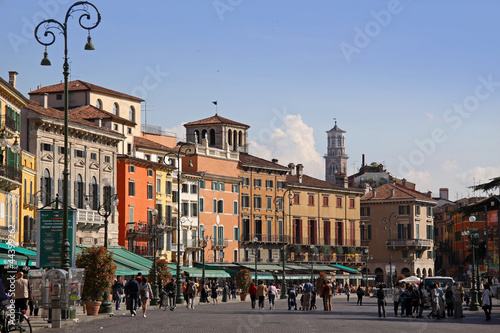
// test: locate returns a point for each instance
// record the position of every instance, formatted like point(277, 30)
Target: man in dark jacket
point(171, 289)
point(132, 293)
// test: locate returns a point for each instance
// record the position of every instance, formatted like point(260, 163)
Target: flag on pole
point(215, 102)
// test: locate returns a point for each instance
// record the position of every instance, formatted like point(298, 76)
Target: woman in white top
point(145, 293)
point(486, 302)
point(272, 292)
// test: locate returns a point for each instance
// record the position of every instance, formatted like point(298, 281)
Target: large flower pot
point(92, 307)
point(243, 297)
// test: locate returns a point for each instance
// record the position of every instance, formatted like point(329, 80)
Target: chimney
point(300, 171)
point(346, 182)
point(374, 193)
point(393, 192)
point(429, 194)
point(403, 182)
point(291, 166)
point(45, 100)
point(443, 193)
point(12, 78)
point(363, 160)
point(274, 160)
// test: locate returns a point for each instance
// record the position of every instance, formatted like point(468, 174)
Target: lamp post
point(154, 299)
point(51, 25)
point(177, 156)
point(203, 243)
point(105, 210)
point(313, 251)
point(367, 258)
point(277, 202)
point(387, 225)
point(254, 252)
point(473, 238)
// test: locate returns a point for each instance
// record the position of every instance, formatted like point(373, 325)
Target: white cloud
point(450, 166)
point(479, 174)
point(293, 144)
point(430, 116)
point(179, 130)
point(422, 179)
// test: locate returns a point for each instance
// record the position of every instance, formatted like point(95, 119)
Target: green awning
point(127, 263)
point(209, 273)
point(325, 268)
point(263, 267)
point(263, 276)
point(295, 267)
point(347, 269)
point(20, 256)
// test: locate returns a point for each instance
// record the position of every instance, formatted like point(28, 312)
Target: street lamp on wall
point(50, 26)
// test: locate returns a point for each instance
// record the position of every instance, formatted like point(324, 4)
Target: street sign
point(49, 237)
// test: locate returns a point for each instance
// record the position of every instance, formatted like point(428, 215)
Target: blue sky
point(416, 84)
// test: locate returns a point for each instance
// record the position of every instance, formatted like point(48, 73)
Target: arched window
point(229, 137)
point(204, 134)
point(93, 193)
point(212, 138)
point(424, 273)
point(98, 104)
point(79, 191)
point(240, 139)
point(116, 109)
point(131, 114)
point(47, 187)
point(430, 272)
point(339, 141)
point(418, 272)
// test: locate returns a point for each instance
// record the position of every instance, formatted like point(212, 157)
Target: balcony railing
point(175, 246)
point(410, 243)
point(329, 258)
point(220, 243)
point(10, 172)
point(191, 243)
point(144, 251)
point(265, 238)
point(323, 241)
point(89, 218)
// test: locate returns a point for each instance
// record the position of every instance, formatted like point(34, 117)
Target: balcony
point(220, 243)
point(175, 246)
point(89, 219)
point(328, 242)
point(10, 178)
point(265, 238)
point(144, 251)
point(425, 244)
point(327, 258)
point(191, 243)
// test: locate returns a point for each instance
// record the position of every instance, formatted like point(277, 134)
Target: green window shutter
point(362, 231)
point(400, 230)
point(369, 232)
point(409, 231)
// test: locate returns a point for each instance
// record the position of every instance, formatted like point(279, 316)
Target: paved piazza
point(236, 316)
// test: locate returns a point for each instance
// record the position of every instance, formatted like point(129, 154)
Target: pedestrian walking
point(450, 300)
point(381, 301)
point(225, 292)
point(434, 302)
point(214, 294)
point(459, 299)
point(308, 287)
point(348, 293)
point(252, 290)
point(396, 295)
point(422, 295)
point(408, 301)
point(191, 294)
point(132, 294)
point(233, 290)
point(292, 298)
point(360, 292)
point(486, 301)
point(327, 295)
point(21, 292)
point(117, 290)
point(272, 292)
point(171, 289)
point(402, 299)
point(145, 293)
point(261, 294)
point(441, 301)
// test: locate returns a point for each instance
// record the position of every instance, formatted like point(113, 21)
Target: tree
point(163, 274)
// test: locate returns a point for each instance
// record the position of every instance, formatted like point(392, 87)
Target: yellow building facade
point(27, 207)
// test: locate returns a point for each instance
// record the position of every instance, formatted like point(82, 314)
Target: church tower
point(336, 158)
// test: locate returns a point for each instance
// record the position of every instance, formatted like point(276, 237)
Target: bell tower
point(336, 158)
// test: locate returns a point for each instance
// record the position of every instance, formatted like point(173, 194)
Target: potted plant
point(99, 273)
point(243, 281)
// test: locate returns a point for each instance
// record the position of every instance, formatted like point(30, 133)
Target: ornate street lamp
point(176, 155)
point(51, 25)
point(105, 210)
point(256, 249)
point(387, 225)
point(474, 239)
point(367, 258)
point(203, 244)
point(313, 252)
point(279, 203)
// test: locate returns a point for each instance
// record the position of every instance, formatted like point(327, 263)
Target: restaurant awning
point(263, 276)
point(209, 273)
point(347, 269)
point(263, 267)
point(127, 263)
point(18, 257)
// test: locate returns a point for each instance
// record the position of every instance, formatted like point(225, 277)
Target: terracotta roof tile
point(79, 85)
point(310, 181)
point(215, 120)
point(385, 192)
point(257, 161)
point(58, 114)
point(146, 143)
point(91, 112)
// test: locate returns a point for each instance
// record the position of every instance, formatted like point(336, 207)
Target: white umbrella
point(411, 279)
